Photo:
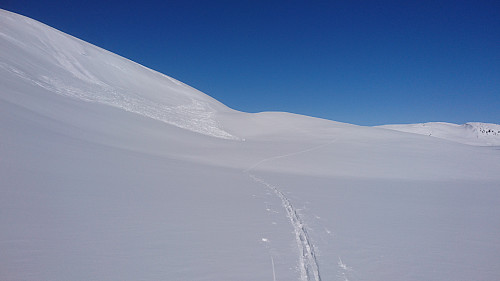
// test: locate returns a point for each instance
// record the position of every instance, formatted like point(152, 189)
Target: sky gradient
point(360, 62)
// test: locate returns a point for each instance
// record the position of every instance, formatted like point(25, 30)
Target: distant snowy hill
point(473, 133)
point(112, 171)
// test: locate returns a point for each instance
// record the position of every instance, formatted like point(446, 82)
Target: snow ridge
point(309, 269)
point(471, 133)
point(483, 129)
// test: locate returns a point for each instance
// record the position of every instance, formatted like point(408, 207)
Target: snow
point(67, 66)
point(112, 171)
point(472, 133)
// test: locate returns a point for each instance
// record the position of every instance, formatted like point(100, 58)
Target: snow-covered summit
point(36, 54)
point(472, 133)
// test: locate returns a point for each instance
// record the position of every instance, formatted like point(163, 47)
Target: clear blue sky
point(361, 62)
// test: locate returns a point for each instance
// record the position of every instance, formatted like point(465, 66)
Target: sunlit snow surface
point(472, 133)
point(70, 67)
point(111, 171)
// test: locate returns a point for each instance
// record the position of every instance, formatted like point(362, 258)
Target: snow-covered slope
point(473, 133)
point(62, 64)
point(111, 171)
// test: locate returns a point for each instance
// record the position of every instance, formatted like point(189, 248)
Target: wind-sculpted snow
point(194, 115)
point(62, 64)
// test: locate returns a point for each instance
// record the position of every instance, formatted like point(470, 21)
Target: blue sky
point(361, 62)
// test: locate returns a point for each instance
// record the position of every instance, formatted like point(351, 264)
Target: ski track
point(288, 155)
point(309, 269)
point(308, 263)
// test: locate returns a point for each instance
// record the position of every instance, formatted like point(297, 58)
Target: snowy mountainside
point(112, 171)
point(40, 55)
point(472, 133)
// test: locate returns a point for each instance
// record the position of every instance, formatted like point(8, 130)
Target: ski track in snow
point(288, 155)
point(309, 268)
